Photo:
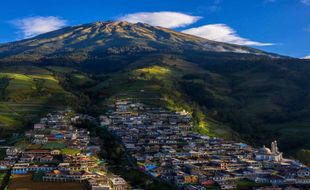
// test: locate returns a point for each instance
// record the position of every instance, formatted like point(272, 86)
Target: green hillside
point(26, 93)
point(231, 91)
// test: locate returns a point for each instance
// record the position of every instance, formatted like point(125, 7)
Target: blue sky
point(280, 26)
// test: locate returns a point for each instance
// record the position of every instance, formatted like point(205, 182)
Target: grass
point(34, 146)
point(26, 93)
point(246, 184)
point(80, 79)
point(60, 69)
point(22, 143)
point(7, 121)
point(70, 151)
point(2, 175)
point(53, 145)
point(148, 73)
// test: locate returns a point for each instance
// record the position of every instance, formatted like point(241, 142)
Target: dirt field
point(24, 182)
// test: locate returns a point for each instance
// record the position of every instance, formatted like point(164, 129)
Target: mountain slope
point(105, 38)
point(27, 92)
point(231, 90)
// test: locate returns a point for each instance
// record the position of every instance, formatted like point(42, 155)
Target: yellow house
point(191, 179)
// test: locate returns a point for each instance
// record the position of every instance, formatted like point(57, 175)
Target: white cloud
point(306, 2)
point(32, 26)
point(222, 33)
point(164, 19)
point(307, 57)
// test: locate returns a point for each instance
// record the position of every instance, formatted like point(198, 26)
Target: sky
point(279, 26)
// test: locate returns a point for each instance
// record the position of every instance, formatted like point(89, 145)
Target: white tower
point(274, 147)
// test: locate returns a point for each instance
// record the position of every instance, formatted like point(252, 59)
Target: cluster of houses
point(164, 146)
point(56, 151)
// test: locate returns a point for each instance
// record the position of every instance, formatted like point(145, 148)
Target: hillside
point(231, 90)
point(28, 92)
point(99, 39)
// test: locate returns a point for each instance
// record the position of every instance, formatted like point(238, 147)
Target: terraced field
point(27, 93)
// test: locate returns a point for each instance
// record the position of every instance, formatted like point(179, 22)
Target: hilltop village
point(158, 142)
point(163, 145)
point(56, 151)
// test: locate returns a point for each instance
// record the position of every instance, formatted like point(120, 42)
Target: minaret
point(274, 147)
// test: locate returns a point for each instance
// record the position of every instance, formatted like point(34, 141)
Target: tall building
point(265, 154)
point(274, 147)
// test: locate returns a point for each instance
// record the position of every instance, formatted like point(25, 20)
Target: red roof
point(207, 183)
point(37, 151)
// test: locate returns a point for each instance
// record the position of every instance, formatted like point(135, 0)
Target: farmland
point(25, 182)
point(26, 93)
point(70, 151)
point(53, 145)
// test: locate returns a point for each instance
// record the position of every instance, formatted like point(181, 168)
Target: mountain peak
point(111, 23)
point(113, 37)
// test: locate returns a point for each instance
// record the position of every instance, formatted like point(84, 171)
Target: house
point(99, 186)
point(27, 158)
point(28, 134)
point(303, 176)
point(118, 183)
point(37, 152)
point(12, 151)
point(39, 139)
point(60, 176)
point(194, 187)
point(276, 180)
point(39, 126)
point(304, 172)
point(55, 152)
point(207, 183)
point(20, 168)
point(99, 183)
point(104, 120)
point(93, 149)
point(70, 135)
point(303, 180)
point(47, 158)
point(228, 186)
point(190, 179)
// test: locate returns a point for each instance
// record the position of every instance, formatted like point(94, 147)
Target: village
point(164, 146)
point(56, 151)
point(158, 142)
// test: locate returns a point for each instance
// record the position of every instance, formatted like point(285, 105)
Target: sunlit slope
point(27, 92)
point(260, 100)
point(157, 80)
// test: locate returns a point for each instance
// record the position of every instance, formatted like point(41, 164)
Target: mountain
point(105, 38)
point(231, 91)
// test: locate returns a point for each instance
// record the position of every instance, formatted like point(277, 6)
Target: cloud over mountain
point(165, 19)
point(32, 26)
point(307, 57)
point(222, 33)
